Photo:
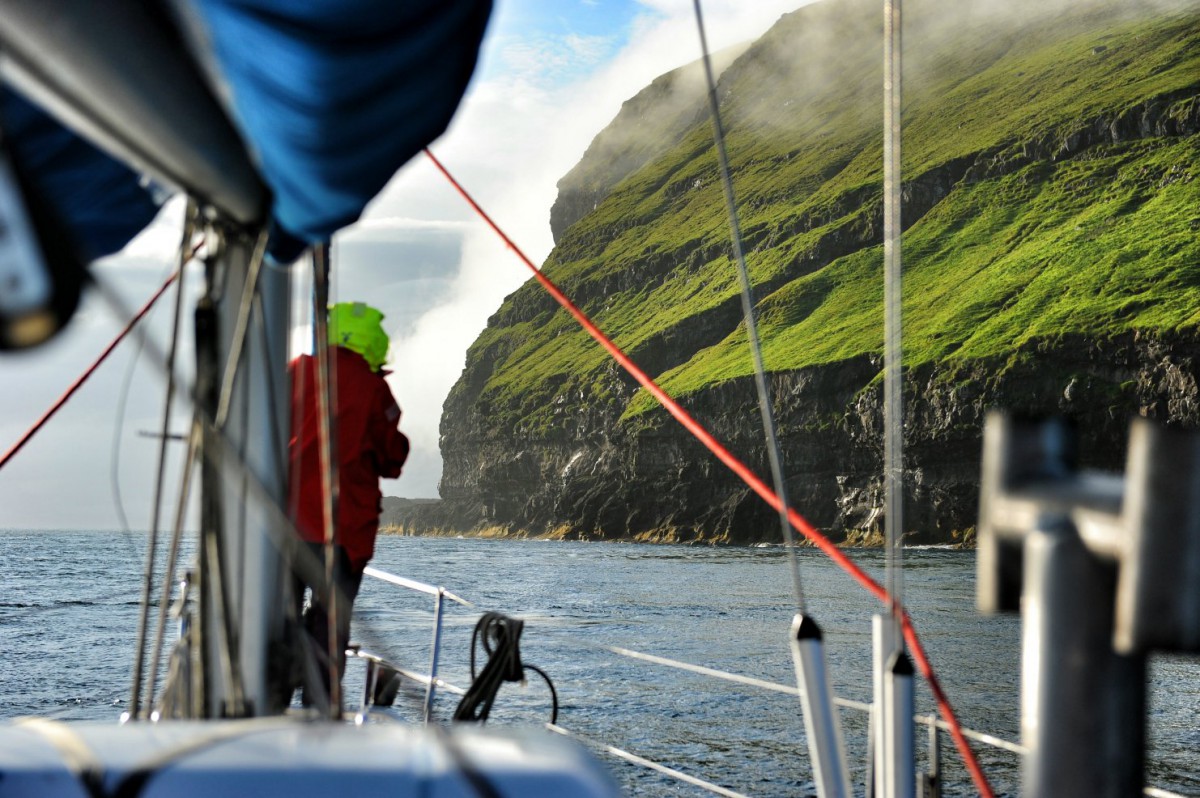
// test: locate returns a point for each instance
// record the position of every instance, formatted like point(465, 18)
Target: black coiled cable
point(501, 639)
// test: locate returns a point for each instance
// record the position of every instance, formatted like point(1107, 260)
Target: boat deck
point(290, 757)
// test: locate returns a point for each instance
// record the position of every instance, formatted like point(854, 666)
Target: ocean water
point(69, 605)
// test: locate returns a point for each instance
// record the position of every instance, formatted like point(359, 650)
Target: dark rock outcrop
point(602, 479)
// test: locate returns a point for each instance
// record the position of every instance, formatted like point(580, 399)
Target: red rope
point(75, 386)
point(752, 480)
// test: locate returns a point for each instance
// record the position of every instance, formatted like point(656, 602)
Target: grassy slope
point(1097, 243)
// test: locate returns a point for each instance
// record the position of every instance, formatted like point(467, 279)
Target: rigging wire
point(130, 326)
point(218, 450)
point(62, 400)
point(238, 344)
point(210, 557)
point(189, 462)
point(87, 373)
point(749, 477)
point(326, 395)
point(749, 314)
point(189, 231)
point(114, 468)
point(214, 557)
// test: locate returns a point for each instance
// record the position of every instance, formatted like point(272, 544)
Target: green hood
point(356, 326)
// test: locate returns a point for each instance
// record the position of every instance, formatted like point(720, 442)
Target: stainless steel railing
point(375, 663)
point(440, 595)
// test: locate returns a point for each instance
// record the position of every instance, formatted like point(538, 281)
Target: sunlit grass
point(1032, 233)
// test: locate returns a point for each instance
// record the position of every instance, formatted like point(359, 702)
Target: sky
point(552, 74)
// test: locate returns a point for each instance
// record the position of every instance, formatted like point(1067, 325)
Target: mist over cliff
point(1052, 264)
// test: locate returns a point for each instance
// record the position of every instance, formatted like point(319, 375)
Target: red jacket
point(369, 446)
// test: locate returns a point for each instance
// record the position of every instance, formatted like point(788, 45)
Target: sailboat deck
point(290, 756)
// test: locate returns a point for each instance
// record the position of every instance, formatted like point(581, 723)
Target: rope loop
point(500, 637)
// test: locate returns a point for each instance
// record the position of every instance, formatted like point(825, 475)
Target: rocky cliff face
point(597, 478)
point(1052, 269)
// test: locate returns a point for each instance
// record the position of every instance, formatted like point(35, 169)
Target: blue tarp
point(100, 202)
point(334, 96)
point(331, 96)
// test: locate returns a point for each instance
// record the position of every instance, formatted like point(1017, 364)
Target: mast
point(242, 565)
point(119, 74)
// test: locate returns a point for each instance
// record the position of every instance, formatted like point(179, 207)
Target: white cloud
point(386, 227)
point(160, 239)
point(588, 50)
point(547, 59)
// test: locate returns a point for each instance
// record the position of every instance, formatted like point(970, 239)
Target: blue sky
point(552, 74)
point(574, 36)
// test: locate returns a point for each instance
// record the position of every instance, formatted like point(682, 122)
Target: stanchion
point(825, 747)
point(900, 780)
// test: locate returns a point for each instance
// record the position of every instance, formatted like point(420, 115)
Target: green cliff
point(1051, 264)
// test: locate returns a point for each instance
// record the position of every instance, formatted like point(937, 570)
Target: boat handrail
point(649, 764)
point(414, 676)
point(860, 706)
point(413, 584)
point(430, 682)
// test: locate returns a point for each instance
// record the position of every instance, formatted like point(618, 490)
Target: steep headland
point(1052, 264)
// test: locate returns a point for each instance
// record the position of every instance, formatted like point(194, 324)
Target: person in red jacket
point(369, 447)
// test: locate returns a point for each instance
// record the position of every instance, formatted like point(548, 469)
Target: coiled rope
point(752, 480)
point(500, 637)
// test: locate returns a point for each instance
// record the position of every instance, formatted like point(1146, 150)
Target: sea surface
point(69, 608)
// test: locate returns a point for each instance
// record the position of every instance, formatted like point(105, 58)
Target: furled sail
point(334, 96)
point(330, 98)
point(101, 200)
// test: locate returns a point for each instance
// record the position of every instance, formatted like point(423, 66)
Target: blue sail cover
point(100, 202)
point(332, 97)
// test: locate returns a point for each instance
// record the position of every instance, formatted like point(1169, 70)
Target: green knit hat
point(356, 326)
